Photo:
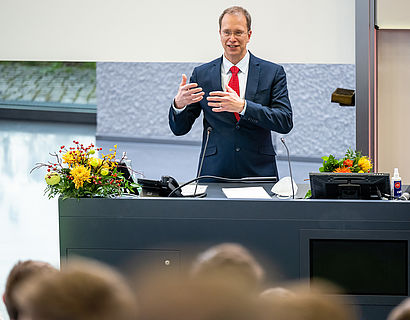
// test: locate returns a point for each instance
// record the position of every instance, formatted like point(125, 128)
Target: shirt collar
point(242, 65)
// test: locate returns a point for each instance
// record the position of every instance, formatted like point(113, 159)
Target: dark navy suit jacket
point(244, 148)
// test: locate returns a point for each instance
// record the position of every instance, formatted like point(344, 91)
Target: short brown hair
point(230, 261)
point(401, 312)
point(178, 297)
point(310, 302)
point(21, 272)
point(236, 10)
point(83, 290)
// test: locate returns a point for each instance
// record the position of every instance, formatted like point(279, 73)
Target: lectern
point(362, 245)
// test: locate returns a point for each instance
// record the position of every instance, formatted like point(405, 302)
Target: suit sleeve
point(277, 116)
point(181, 123)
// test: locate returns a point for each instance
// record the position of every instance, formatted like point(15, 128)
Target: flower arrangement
point(78, 172)
point(353, 161)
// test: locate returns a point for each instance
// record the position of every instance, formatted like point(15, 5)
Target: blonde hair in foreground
point(401, 312)
point(82, 290)
point(308, 302)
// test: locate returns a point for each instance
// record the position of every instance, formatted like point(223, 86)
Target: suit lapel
point(216, 85)
point(253, 78)
point(215, 74)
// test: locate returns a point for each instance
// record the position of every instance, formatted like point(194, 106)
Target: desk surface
point(216, 205)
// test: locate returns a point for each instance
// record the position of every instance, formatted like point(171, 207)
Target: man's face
point(234, 36)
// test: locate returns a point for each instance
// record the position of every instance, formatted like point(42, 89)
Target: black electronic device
point(367, 186)
point(159, 188)
point(126, 171)
point(361, 266)
point(127, 174)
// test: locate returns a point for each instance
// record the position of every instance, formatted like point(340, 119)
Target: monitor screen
point(329, 185)
point(361, 267)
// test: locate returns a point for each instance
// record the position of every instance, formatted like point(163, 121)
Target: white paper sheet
point(189, 189)
point(246, 193)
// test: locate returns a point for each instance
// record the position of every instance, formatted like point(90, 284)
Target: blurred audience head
point(276, 293)
point(309, 303)
point(401, 312)
point(231, 262)
point(82, 290)
point(21, 272)
point(184, 298)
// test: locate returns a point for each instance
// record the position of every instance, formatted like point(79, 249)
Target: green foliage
point(330, 164)
point(50, 67)
point(350, 162)
point(53, 64)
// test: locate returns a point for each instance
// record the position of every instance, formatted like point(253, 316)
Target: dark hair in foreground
point(236, 10)
point(21, 272)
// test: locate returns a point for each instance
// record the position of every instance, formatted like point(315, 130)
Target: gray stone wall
point(133, 101)
point(320, 127)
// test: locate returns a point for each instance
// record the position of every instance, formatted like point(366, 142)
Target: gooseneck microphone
point(290, 169)
point(208, 132)
point(241, 180)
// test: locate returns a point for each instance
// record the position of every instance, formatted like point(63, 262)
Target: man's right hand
point(187, 93)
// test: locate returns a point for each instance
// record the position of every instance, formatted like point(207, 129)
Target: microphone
point(208, 132)
point(241, 180)
point(405, 196)
point(290, 169)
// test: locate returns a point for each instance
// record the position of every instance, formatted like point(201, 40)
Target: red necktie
point(234, 84)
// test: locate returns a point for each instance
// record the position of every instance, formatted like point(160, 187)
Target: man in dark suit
point(254, 103)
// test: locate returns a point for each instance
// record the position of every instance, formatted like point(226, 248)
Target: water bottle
point(396, 182)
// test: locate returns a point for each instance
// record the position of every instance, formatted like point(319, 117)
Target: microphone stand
point(202, 158)
point(290, 169)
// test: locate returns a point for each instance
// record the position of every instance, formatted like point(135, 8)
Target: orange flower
point(348, 163)
point(342, 170)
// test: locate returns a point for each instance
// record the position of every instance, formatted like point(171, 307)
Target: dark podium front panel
point(295, 238)
point(362, 267)
point(167, 260)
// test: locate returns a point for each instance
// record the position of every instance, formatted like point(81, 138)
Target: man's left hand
point(228, 101)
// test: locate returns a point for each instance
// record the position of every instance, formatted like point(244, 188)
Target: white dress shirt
point(226, 75)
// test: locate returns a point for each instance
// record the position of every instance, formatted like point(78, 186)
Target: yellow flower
point(361, 171)
point(52, 178)
point(80, 174)
point(71, 157)
point(365, 164)
point(95, 162)
point(104, 171)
